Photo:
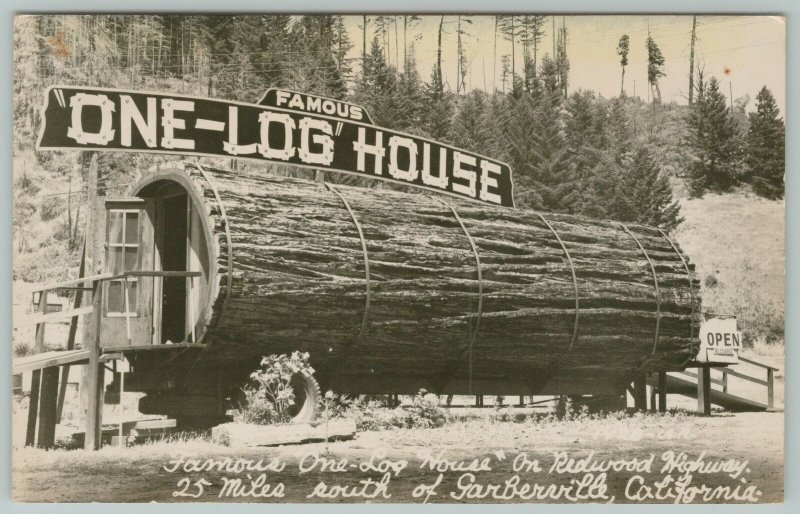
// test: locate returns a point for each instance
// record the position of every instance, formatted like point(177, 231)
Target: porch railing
point(722, 380)
point(44, 383)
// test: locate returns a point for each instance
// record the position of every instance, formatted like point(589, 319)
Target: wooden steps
point(135, 431)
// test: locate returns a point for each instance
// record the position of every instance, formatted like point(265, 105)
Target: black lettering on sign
point(109, 119)
point(724, 339)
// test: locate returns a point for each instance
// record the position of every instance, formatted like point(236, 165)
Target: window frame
point(137, 265)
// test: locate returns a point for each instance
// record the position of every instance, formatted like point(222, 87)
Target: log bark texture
point(293, 277)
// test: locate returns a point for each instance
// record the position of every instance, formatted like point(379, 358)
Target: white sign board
point(720, 341)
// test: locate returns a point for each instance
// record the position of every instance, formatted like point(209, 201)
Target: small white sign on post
point(720, 341)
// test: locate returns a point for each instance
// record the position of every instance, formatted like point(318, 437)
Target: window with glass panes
point(123, 256)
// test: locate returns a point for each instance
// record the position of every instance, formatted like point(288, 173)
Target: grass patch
point(484, 427)
point(424, 411)
point(737, 243)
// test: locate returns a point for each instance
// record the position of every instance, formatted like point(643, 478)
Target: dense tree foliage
point(578, 153)
point(715, 139)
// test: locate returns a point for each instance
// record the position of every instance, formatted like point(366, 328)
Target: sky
point(743, 52)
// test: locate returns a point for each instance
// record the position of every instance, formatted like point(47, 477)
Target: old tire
point(307, 398)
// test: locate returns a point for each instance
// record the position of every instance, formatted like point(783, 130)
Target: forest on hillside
point(571, 151)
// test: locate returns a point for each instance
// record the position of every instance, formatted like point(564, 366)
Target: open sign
point(720, 340)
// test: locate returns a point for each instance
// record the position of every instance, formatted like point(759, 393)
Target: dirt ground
point(477, 459)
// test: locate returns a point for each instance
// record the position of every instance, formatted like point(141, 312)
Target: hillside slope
point(737, 242)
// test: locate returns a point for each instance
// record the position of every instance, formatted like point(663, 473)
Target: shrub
point(269, 396)
point(50, 208)
point(710, 281)
point(371, 415)
point(22, 349)
point(422, 411)
point(24, 183)
point(338, 406)
point(425, 411)
point(61, 232)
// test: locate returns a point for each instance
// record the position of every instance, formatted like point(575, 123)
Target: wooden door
point(128, 302)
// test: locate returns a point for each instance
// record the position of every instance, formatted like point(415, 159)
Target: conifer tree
point(549, 75)
point(714, 140)
point(655, 67)
point(492, 122)
point(468, 130)
point(378, 88)
point(235, 64)
point(510, 28)
point(538, 153)
point(585, 131)
point(461, 53)
point(408, 21)
point(520, 141)
point(437, 81)
point(505, 71)
point(561, 59)
point(318, 63)
point(644, 195)
point(619, 128)
point(598, 189)
point(438, 109)
point(623, 48)
point(409, 96)
point(766, 147)
point(530, 37)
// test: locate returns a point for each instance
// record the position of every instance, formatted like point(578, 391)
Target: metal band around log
point(224, 215)
point(474, 333)
point(655, 281)
point(365, 319)
point(574, 279)
point(688, 274)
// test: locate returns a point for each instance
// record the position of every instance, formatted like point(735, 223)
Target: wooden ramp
point(686, 385)
point(50, 359)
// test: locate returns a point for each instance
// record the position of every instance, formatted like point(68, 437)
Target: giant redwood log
point(391, 291)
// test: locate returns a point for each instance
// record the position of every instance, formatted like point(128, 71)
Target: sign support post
point(704, 390)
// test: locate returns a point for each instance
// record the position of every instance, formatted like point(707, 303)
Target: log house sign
point(292, 128)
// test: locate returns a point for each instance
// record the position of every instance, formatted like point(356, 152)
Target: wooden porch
point(50, 369)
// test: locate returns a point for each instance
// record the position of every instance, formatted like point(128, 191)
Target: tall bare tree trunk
point(513, 52)
point(364, 46)
point(458, 56)
point(396, 48)
point(439, 56)
point(691, 61)
point(494, 58)
point(405, 44)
